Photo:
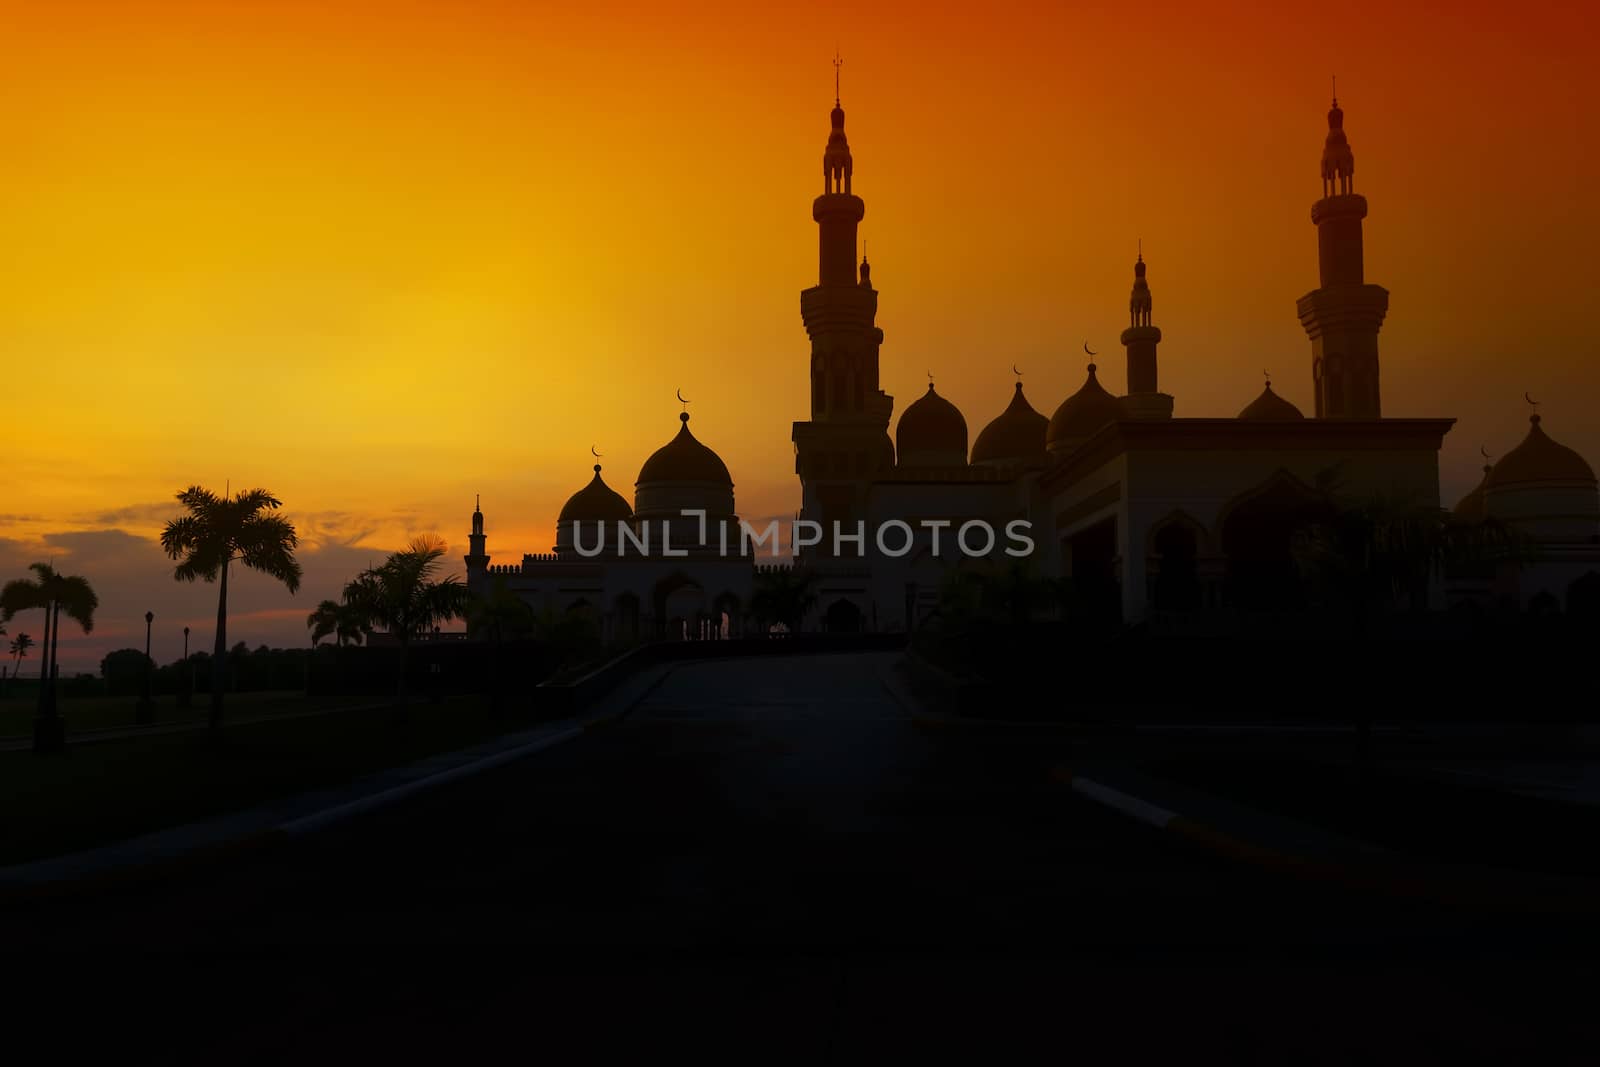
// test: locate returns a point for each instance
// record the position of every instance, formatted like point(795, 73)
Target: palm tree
point(782, 594)
point(338, 619)
point(501, 614)
point(402, 596)
point(54, 592)
point(19, 650)
point(1363, 560)
point(216, 532)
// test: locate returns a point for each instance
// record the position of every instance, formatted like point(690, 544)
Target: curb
point(1382, 872)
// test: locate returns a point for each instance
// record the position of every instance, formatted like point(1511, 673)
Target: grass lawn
point(99, 793)
point(94, 713)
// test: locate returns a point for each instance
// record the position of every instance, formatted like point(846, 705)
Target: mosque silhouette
point(1147, 513)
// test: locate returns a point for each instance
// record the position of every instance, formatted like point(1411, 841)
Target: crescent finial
point(594, 453)
point(682, 400)
point(1091, 352)
point(1015, 371)
point(1485, 452)
point(1530, 399)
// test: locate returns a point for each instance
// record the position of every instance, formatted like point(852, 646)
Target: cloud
point(153, 515)
point(131, 575)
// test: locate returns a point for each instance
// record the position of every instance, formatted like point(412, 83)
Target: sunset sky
point(379, 257)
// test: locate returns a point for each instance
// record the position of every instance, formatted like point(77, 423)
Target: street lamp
point(146, 705)
point(186, 683)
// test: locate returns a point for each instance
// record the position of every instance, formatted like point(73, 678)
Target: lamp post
point(146, 705)
point(186, 682)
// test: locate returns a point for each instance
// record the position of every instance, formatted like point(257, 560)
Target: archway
point(1093, 561)
point(1258, 541)
point(725, 612)
point(1175, 551)
point(682, 602)
point(1583, 599)
point(842, 617)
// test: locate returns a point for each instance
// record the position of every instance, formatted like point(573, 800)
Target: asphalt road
point(771, 857)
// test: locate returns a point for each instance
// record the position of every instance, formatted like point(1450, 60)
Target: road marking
point(1131, 806)
point(318, 820)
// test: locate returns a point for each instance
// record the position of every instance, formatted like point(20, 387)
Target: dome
point(1270, 407)
point(1539, 459)
point(1471, 507)
point(685, 459)
point(1081, 415)
point(595, 502)
point(1016, 435)
point(931, 433)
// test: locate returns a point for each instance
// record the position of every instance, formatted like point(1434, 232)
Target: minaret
point(846, 441)
point(1342, 316)
point(477, 559)
point(1144, 399)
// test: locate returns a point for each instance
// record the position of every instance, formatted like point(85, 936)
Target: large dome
point(1081, 415)
point(596, 502)
point(1539, 459)
point(1544, 489)
point(1270, 407)
point(931, 433)
point(685, 459)
point(1015, 436)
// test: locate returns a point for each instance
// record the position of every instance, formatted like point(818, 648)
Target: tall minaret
point(477, 559)
point(1342, 316)
point(846, 441)
point(1144, 399)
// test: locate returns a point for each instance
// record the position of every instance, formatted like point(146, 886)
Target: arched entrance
point(725, 615)
point(842, 617)
point(1175, 551)
point(1092, 559)
point(1258, 541)
point(1583, 599)
point(681, 603)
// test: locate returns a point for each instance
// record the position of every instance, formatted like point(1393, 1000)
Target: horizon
point(449, 241)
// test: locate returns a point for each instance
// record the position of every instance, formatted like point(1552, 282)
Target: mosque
point(1146, 512)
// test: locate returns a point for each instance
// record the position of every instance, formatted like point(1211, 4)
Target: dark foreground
point(770, 858)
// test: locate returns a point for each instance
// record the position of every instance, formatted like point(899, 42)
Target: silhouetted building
point(1143, 510)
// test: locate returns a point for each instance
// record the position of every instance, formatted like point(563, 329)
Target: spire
point(1338, 160)
point(477, 559)
point(836, 163)
point(1139, 302)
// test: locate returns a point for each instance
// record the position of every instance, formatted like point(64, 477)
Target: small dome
point(1081, 415)
point(595, 502)
point(931, 433)
point(685, 459)
point(1016, 434)
point(1270, 407)
point(1539, 459)
point(1471, 507)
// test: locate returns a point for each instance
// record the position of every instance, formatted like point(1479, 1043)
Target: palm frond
point(21, 595)
point(77, 598)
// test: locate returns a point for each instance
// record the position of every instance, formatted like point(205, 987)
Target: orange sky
point(381, 256)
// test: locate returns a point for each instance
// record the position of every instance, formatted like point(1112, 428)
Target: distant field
point(94, 713)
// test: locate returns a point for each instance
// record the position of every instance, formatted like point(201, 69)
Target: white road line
point(1132, 806)
point(318, 820)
